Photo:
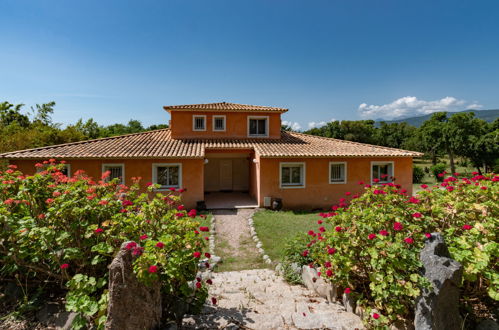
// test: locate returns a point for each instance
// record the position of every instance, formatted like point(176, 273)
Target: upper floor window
point(199, 123)
point(381, 172)
point(219, 123)
point(258, 126)
point(337, 172)
point(167, 175)
point(115, 171)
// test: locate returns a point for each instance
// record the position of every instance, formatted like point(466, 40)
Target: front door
point(225, 174)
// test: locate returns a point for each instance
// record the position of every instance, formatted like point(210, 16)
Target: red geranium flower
point(375, 316)
point(160, 245)
point(207, 255)
point(467, 227)
point(347, 290)
point(131, 245)
point(428, 235)
point(205, 229)
point(398, 226)
point(153, 269)
point(319, 222)
point(424, 186)
point(98, 230)
point(180, 207)
point(198, 285)
point(329, 272)
point(408, 240)
point(64, 266)
point(417, 215)
point(143, 237)
point(304, 253)
point(196, 254)
point(383, 232)
point(209, 281)
point(331, 251)
point(213, 300)
point(337, 228)
point(49, 200)
point(371, 236)
point(327, 264)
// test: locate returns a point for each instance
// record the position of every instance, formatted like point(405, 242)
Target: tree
point(431, 135)
point(393, 135)
point(10, 114)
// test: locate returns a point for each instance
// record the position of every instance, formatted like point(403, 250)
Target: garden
point(369, 246)
point(59, 234)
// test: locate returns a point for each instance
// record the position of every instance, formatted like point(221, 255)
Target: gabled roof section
point(159, 144)
point(223, 106)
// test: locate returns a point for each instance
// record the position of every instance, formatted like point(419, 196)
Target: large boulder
point(438, 306)
point(132, 305)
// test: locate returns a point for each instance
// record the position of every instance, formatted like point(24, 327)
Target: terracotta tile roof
point(159, 144)
point(223, 106)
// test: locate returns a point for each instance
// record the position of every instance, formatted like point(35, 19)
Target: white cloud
point(293, 124)
point(409, 106)
point(314, 124)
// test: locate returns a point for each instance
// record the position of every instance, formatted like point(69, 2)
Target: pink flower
point(331, 251)
point(428, 235)
point(153, 269)
point(383, 232)
point(98, 230)
point(408, 240)
point(64, 266)
point(375, 316)
point(467, 227)
point(205, 229)
point(143, 237)
point(160, 245)
point(196, 254)
point(131, 245)
point(417, 215)
point(398, 226)
point(347, 290)
point(371, 236)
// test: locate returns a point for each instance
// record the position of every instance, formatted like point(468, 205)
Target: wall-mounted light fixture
point(255, 161)
point(206, 161)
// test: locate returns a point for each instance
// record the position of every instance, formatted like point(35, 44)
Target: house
point(217, 148)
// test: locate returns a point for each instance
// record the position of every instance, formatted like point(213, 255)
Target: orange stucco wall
point(192, 172)
point(236, 124)
point(318, 192)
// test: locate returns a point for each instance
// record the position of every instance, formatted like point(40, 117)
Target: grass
point(274, 228)
point(246, 258)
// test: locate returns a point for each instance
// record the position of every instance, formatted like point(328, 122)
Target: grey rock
point(402, 325)
point(215, 259)
point(487, 325)
point(326, 290)
point(47, 313)
point(309, 276)
point(438, 306)
point(64, 320)
point(132, 305)
point(348, 302)
point(279, 269)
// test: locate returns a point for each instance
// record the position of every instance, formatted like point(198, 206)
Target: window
point(66, 170)
point(219, 123)
point(167, 175)
point(258, 126)
point(382, 171)
point(337, 172)
point(292, 175)
point(199, 123)
point(116, 171)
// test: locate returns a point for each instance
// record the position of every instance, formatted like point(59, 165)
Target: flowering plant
point(373, 249)
point(65, 231)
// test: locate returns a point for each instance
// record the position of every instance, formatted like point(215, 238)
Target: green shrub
point(417, 174)
point(438, 171)
point(373, 248)
point(294, 258)
point(65, 231)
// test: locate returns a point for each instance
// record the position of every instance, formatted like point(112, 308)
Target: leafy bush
point(372, 252)
point(438, 171)
point(417, 174)
point(295, 258)
point(65, 231)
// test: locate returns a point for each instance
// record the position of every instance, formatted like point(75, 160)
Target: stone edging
point(205, 272)
point(259, 244)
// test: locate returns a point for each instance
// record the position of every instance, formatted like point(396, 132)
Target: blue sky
point(116, 60)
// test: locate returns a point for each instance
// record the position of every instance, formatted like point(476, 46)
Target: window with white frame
point(292, 175)
point(167, 175)
point(199, 123)
point(337, 172)
point(219, 123)
point(115, 171)
point(381, 172)
point(258, 126)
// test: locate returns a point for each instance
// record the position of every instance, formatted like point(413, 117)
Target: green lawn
point(274, 228)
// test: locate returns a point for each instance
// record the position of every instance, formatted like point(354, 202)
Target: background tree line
point(460, 135)
point(20, 129)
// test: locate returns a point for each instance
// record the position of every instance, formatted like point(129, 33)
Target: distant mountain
point(487, 115)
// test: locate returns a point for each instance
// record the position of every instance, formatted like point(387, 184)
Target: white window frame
point(155, 174)
point(194, 117)
point(266, 126)
point(225, 123)
point(292, 186)
point(115, 165)
point(392, 163)
point(346, 173)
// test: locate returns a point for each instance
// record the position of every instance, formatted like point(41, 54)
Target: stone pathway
point(259, 299)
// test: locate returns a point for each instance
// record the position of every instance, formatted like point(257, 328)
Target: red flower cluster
point(397, 226)
point(160, 245)
point(64, 266)
point(205, 229)
point(153, 269)
point(98, 230)
point(196, 254)
point(467, 227)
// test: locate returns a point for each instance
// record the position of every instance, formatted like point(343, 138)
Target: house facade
point(228, 147)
